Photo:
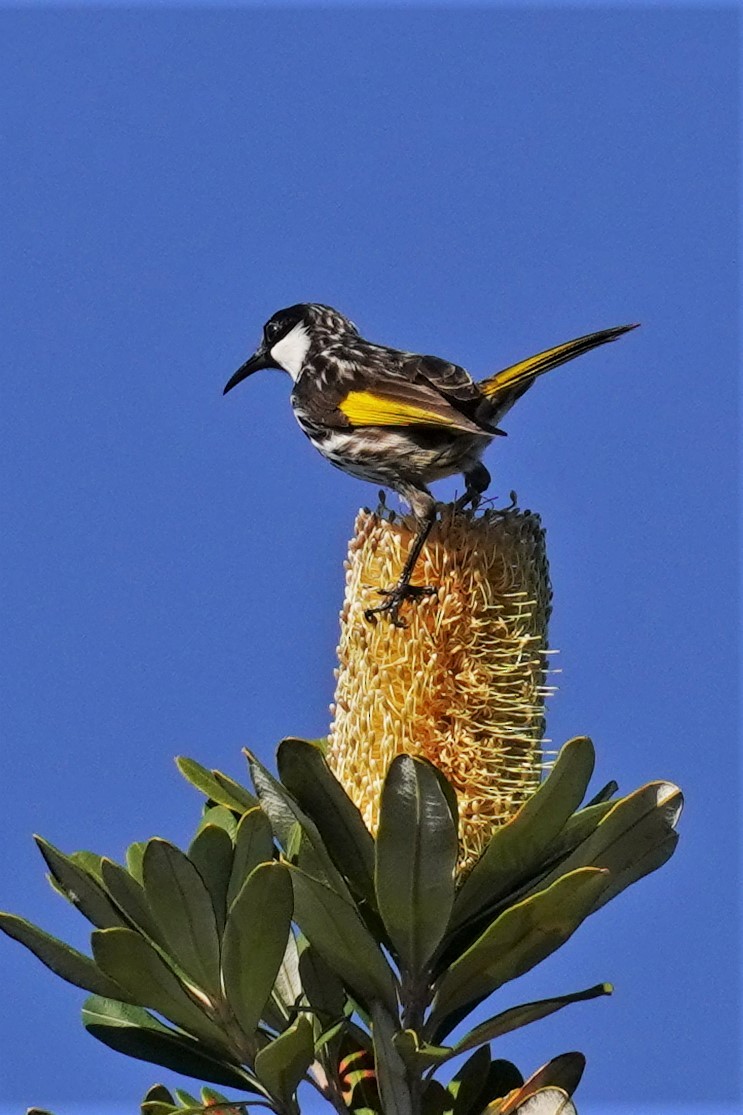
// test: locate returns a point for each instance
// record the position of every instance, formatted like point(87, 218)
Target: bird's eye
point(272, 330)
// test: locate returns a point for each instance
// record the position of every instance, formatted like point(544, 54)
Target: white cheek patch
point(290, 352)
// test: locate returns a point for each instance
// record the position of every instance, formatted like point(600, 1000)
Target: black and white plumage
point(395, 418)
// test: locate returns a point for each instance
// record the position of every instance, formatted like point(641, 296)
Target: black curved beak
point(259, 360)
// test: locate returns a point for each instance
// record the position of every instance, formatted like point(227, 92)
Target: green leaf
point(158, 1101)
point(221, 817)
point(185, 1099)
point(134, 854)
point(60, 958)
point(288, 988)
point(422, 1056)
point(391, 1073)
point(577, 829)
point(416, 857)
point(136, 1033)
point(285, 814)
point(519, 1016)
point(563, 1072)
point(450, 794)
point(335, 930)
point(503, 1077)
point(634, 838)
point(253, 845)
point(605, 793)
point(90, 863)
point(419, 1056)
point(255, 938)
point(467, 1086)
point(518, 848)
point(134, 964)
point(321, 985)
point(158, 1092)
point(129, 897)
point(309, 779)
point(435, 1099)
point(212, 854)
point(210, 1096)
point(218, 787)
point(282, 1064)
point(518, 939)
point(79, 887)
point(183, 911)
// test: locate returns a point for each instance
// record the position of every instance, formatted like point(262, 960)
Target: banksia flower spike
point(336, 927)
point(463, 685)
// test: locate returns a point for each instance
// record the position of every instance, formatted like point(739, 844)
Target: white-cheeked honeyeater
point(396, 418)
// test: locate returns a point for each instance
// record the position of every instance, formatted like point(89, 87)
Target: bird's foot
point(395, 597)
point(471, 498)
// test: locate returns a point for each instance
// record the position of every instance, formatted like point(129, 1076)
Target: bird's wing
point(390, 388)
point(398, 402)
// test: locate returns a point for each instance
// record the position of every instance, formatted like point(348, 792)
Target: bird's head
point(289, 335)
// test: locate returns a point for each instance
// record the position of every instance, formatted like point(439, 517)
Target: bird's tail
point(505, 387)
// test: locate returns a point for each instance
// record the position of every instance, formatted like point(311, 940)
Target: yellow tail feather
point(518, 377)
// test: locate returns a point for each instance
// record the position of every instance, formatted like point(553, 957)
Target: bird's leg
point(403, 590)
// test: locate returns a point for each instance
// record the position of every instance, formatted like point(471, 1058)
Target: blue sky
point(477, 184)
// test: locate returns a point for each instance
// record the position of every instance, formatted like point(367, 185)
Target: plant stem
point(415, 996)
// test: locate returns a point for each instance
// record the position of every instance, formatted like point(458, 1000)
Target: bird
point(397, 419)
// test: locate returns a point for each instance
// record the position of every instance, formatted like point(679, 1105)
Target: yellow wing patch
point(364, 408)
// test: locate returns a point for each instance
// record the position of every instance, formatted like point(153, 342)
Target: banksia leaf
point(253, 846)
point(357, 1079)
point(130, 961)
point(134, 856)
point(562, 1074)
point(390, 1071)
point(136, 1033)
point(524, 844)
point(158, 1101)
point(220, 816)
point(464, 684)
point(217, 786)
point(523, 1015)
point(503, 1078)
point(186, 1099)
point(517, 940)
point(321, 985)
point(288, 988)
point(183, 910)
point(416, 857)
point(282, 1064)
point(305, 773)
point(62, 959)
point(129, 896)
point(212, 853)
point(292, 827)
point(79, 887)
point(255, 940)
point(636, 836)
point(467, 1086)
point(336, 931)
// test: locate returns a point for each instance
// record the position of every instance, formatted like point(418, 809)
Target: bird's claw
point(395, 597)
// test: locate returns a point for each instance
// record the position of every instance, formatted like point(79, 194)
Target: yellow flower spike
point(464, 683)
